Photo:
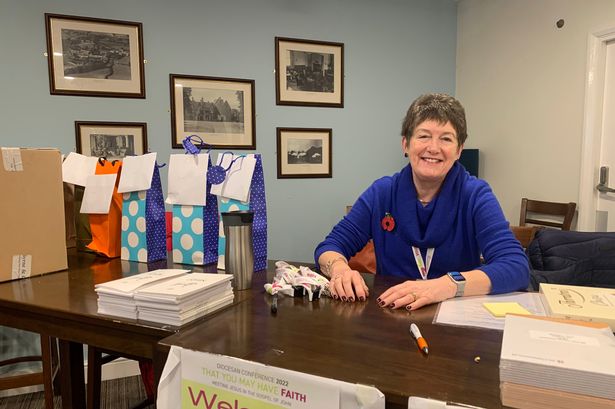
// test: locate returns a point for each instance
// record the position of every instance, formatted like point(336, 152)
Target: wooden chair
point(539, 210)
point(46, 377)
point(365, 260)
point(96, 359)
point(525, 234)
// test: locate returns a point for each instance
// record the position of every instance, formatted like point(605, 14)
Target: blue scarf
point(437, 218)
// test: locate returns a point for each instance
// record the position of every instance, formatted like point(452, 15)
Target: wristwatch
point(459, 280)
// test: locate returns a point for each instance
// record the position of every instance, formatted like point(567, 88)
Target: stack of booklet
point(170, 297)
point(547, 362)
point(185, 298)
point(117, 297)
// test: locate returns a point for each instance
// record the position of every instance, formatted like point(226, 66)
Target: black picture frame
point(111, 140)
point(221, 111)
point(304, 153)
point(95, 57)
point(309, 72)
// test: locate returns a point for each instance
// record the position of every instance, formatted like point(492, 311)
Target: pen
point(274, 304)
point(414, 330)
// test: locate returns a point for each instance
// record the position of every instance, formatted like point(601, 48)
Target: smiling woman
point(430, 222)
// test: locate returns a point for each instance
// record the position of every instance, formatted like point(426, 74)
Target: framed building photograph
point(95, 57)
point(219, 110)
point(304, 153)
point(309, 73)
point(111, 140)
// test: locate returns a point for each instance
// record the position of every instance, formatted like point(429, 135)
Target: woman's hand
point(348, 285)
point(416, 294)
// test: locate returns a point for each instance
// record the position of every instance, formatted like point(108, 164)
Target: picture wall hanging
point(111, 140)
point(304, 153)
point(218, 110)
point(95, 57)
point(309, 73)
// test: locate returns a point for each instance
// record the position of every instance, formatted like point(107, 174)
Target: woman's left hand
point(416, 294)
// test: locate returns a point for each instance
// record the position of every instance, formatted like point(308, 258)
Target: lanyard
point(424, 270)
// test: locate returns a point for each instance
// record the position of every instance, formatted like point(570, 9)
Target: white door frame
point(592, 127)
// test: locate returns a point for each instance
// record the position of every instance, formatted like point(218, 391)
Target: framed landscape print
point(309, 72)
point(304, 153)
point(94, 57)
point(111, 140)
point(219, 110)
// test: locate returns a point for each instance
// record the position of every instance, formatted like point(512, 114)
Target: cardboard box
point(32, 233)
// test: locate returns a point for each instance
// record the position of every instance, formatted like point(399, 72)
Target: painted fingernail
point(362, 298)
point(381, 303)
point(408, 307)
point(379, 300)
point(335, 296)
point(343, 298)
point(392, 305)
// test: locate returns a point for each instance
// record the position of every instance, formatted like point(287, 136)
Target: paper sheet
point(76, 168)
point(187, 179)
point(470, 312)
point(238, 177)
point(137, 173)
point(500, 309)
point(415, 402)
point(98, 193)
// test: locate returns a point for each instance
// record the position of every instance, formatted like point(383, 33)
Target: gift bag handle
point(190, 147)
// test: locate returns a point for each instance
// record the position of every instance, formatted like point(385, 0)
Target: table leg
point(71, 369)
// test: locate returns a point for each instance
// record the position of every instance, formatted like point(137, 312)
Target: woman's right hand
point(348, 285)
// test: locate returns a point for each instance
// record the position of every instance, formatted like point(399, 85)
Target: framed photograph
point(111, 140)
point(219, 110)
point(304, 153)
point(309, 73)
point(94, 57)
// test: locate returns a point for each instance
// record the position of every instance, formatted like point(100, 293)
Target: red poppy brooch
point(387, 222)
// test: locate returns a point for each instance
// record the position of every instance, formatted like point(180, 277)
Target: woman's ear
point(404, 146)
point(459, 152)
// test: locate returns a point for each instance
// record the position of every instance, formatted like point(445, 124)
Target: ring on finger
point(414, 297)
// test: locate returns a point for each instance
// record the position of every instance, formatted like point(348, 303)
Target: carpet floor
point(121, 393)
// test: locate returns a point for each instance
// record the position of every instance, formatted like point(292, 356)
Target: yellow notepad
point(500, 309)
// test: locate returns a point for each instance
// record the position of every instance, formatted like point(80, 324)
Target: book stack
point(579, 303)
point(185, 298)
point(117, 297)
point(547, 363)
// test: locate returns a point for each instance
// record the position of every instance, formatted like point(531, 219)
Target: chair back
point(365, 260)
point(539, 212)
point(525, 234)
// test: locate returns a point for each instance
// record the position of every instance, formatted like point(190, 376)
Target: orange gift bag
point(107, 228)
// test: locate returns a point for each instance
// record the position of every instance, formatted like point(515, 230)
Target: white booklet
point(180, 288)
point(128, 285)
point(558, 355)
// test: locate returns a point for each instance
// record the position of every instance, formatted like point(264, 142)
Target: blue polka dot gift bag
point(143, 236)
point(244, 189)
point(195, 209)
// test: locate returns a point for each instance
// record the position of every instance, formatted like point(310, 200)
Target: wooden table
point(64, 305)
point(357, 343)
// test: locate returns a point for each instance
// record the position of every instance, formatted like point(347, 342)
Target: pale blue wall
point(394, 51)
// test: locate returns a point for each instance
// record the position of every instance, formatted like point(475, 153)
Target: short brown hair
point(437, 107)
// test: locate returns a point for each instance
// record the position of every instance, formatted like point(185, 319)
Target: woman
point(431, 222)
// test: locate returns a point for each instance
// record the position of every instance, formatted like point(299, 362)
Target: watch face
point(457, 276)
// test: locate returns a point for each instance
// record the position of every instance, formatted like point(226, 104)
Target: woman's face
point(433, 149)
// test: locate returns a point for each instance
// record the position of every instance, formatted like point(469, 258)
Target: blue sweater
point(462, 222)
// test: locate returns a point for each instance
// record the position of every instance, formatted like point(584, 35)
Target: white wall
point(521, 80)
